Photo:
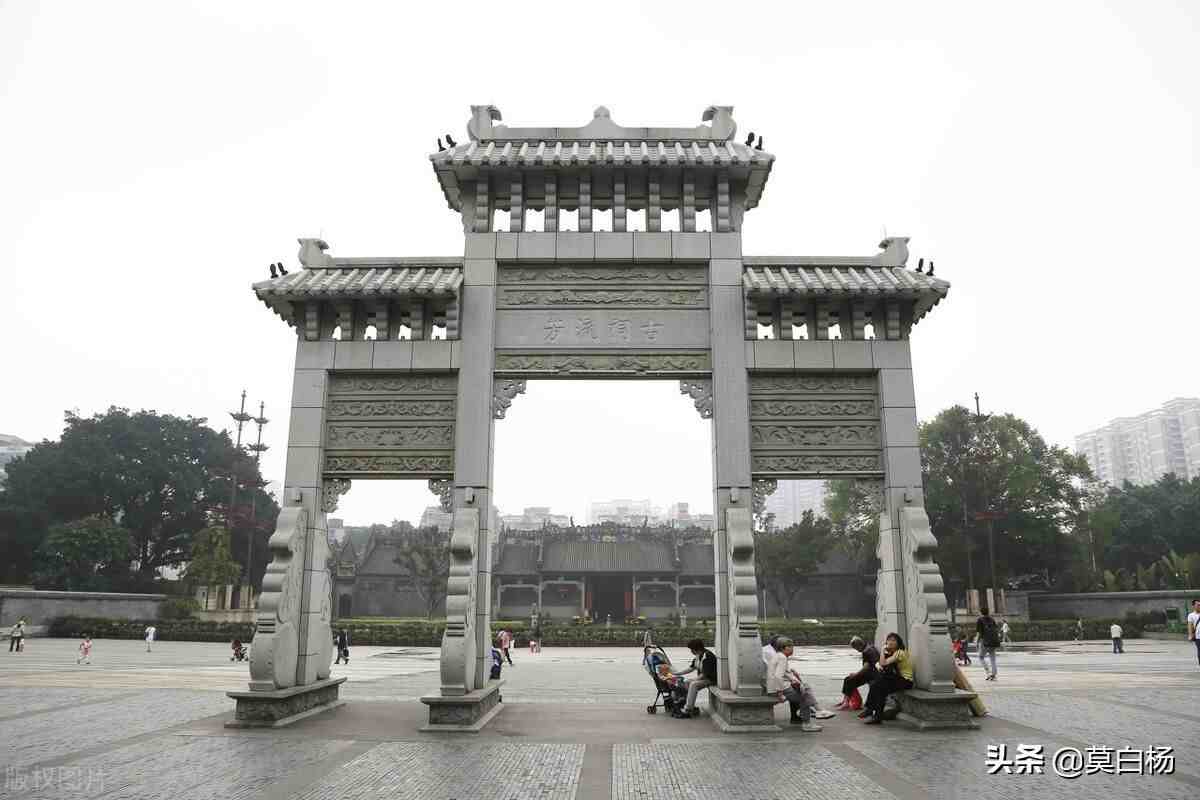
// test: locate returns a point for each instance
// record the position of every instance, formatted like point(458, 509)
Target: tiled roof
point(368, 279)
point(648, 556)
point(696, 559)
point(464, 160)
point(843, 281)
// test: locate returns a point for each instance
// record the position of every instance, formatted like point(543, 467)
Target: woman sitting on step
point(895, 674)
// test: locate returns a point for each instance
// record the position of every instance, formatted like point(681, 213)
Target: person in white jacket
point(787, 686)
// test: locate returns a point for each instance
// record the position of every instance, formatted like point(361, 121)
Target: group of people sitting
point(884, 673)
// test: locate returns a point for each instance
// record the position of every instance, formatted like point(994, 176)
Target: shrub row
point(428, 633)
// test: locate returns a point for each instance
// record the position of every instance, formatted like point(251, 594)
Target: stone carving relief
point(625, 298)
point(503, 392)
point(814, 408)
point(444, 489)
point(458, 640)
point(701, 392)
point(332, 489)
point(818, 463)
point(924, 602)
point(609, 363)
point(745, 654)
point(384, 462)
point(589, 274)
point(394, 384)
point(812, 383)
point(815, 436)
point(762, 489)
point(275, 652)
point(383, 436)
point(351, 409)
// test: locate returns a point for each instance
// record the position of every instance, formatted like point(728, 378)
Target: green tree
point(1151, 521)
point(1001, 464)
point(853, 510)
point(425, 555)
point(88, 554)
point(210, 562)
point(162, 477)
point(785, 557)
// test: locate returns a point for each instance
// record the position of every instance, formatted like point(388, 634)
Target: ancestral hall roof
point(601, 144)
point(808, 278)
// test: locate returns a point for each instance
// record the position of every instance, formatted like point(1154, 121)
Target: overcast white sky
point(155, 157)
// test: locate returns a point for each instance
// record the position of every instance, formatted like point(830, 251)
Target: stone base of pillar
point(928, 711)
point(465, 713)
point(283, 707)
point(733, 713)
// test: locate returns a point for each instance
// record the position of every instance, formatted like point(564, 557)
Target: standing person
point(786, 686)
point(506, 638)
point(151, 632)
point(1115, 632)
point(850, 684)
point(1079, 631)
point(85, 650)
point(343, 647)
point(896, 673)
point(704, 664)
point(989, 639)
point(1193, 621)
point(16, 637)
point(1005, 631)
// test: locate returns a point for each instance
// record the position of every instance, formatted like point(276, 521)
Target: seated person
point(870, 655)
point(786, 686)
point(704, 663)
point(769, 651)
point(895, 674)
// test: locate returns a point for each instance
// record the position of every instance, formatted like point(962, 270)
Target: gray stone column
point(474, 431)
point(737, 611)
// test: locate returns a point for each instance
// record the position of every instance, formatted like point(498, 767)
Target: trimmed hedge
point(428, 633)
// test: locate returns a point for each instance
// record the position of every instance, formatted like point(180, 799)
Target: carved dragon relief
point(701, 393)
point(504, 390)
point(382, 463)
point(444, 489)
point(622, 363)
point(331, 490)
point(275, 650)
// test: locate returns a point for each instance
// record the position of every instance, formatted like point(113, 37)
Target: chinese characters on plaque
point(589, 330)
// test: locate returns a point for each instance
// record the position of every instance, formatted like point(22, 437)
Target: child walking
point(85, 650)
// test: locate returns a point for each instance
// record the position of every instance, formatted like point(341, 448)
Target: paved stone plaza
point(138, 725)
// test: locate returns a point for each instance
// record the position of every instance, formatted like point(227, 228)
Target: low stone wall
point(38, 608)
point(1106, 605)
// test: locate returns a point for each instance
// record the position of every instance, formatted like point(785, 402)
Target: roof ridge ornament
point(720, 128)
point(312, 253)
point(895, 252)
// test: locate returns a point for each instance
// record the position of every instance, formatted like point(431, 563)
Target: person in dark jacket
point(704, 664)
point(342, 642)
point(850, 684)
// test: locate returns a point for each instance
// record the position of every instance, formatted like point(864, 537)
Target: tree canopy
point(87, 555)
point(784, 557)
point(425, 555)
point(160, 477)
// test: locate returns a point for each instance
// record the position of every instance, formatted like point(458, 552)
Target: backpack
point(988, 632)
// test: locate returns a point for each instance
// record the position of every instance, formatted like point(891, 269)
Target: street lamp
point(258, 448)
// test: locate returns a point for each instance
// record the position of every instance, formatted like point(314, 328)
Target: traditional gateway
point(403, 366)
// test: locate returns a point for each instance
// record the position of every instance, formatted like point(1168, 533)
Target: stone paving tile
point(738, 771)
point(55, 734)
point(449, 770)
point(14, 701)
point(195, 768)
point(953, 767)
point(1178, 701)
point(1094, 722)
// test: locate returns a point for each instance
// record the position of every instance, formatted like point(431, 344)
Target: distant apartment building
point(624, 512)
point(679, 515)
point(791, 499)
point(1144, 448)
point(10, 448)
point(534, 518)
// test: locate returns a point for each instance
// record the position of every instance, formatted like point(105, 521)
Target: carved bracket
point(701, 392)
point(762, 488)
point(444, 489)
point(503, 392)
point(333, 489)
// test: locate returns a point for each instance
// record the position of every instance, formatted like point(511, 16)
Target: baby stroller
point(669, 697)
point(239, 651)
